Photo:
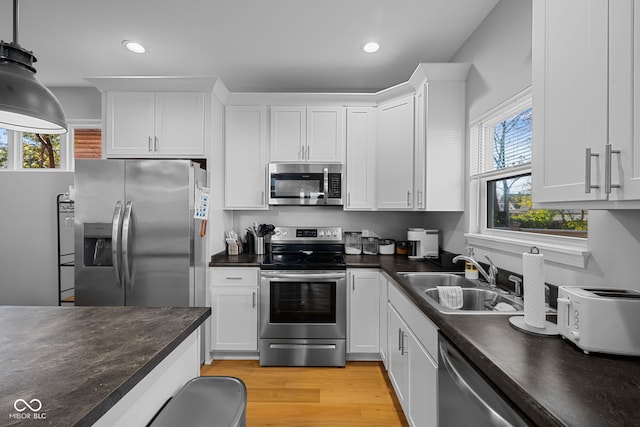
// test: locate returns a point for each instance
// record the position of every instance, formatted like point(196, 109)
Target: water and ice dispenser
point(97, 245)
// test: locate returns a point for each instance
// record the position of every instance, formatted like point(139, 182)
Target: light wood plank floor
point(358, 395)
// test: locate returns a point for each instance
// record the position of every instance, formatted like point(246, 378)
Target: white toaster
point(604, 320)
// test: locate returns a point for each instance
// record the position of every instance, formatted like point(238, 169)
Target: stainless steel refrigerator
point(136, 239)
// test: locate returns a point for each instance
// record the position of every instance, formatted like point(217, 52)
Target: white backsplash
point(388, 225)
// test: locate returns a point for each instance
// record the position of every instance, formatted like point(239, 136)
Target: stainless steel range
point(303, 298)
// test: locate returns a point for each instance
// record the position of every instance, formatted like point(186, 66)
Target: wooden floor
point(358, 395)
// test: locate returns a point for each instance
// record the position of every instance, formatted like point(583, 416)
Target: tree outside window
point(40, 151)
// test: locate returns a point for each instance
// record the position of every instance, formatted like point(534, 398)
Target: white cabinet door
point(155, 124)
point(179, 124)
point(245, 170)
point(384, 300)
point(325, 134)
point(570, 75)
point(235, 318)
point(398, 362)
point(130, 122)
point(288, 134)
point(395, 154)
point(624, 98)
point(364, 288)
point(361, 159)
point(423, 385)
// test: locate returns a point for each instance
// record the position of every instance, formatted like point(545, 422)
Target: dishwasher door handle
point(449, 360)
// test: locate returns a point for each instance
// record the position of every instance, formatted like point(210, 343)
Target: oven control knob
point(334, 233)
point(321, 233)
point(285, 232)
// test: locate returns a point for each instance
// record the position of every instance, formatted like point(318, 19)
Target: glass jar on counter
point(353, 242)
point(370, 245)
point(386, 246)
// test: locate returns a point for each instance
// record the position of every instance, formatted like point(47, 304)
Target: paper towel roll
point(533, 272)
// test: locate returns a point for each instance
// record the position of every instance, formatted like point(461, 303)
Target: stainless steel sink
point(426, 280)
point(479, 300)
point(477, 297)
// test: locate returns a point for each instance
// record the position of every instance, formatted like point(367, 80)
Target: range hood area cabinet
point(307, 134)
point(154, 124)
point(245, 154)
point(586, 98)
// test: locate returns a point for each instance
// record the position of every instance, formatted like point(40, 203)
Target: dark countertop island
point(80, 361)
point(549, 380)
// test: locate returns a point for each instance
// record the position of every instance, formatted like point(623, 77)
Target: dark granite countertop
point(549, 380)
point(80, 361)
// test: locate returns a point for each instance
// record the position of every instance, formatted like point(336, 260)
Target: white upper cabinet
point(307, 134)
point(361, 159)
point(395, 143)
point(155, 124)
point(325, 134)
point(440, 134)
point(245, 145)
point(585, 98)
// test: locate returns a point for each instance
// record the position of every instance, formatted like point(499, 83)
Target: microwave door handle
point(326, 185)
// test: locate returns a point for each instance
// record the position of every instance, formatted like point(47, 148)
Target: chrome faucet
point(490, 276)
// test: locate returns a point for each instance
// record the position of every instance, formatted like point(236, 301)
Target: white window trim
point(69, 138)
point(568, 251)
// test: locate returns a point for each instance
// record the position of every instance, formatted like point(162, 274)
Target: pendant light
point(25, 104)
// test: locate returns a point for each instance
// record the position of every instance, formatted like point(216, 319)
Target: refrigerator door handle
point(126, 225)
point(115, 242)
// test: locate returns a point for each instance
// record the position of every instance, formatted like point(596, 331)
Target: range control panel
point(307, 234)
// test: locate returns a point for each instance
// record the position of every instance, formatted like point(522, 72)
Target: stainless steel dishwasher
point(465, 397)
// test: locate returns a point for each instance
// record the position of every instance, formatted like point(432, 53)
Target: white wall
point(388, 225)
point(500, 51)
point(28, 242)
point(28, 246)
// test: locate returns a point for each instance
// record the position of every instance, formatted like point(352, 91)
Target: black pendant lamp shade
point(25, 104)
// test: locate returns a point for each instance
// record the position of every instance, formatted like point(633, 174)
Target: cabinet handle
point(587, 171)
point(232, 278)
point(403, 349)
point(607, 169)
point(353, 283)
point(150, 146)
point(399, 339)
point(254, 299)
point(156, 144)
point(409, 198)
point(263, 197)
point(302, 156)
point(308, 152)
point(349, 199)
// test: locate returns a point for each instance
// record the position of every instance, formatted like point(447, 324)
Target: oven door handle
point(302, 276)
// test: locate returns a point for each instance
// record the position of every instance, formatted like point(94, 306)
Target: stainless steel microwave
point(305, 184)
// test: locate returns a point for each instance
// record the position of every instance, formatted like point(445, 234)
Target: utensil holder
point(259, 245)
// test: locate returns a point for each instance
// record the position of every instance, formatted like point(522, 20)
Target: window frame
point(566, 250)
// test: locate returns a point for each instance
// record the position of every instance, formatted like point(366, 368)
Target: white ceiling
point(252, 45)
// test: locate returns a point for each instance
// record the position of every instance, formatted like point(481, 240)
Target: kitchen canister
point(353, 242)
point(386, 246)
point(370, 245)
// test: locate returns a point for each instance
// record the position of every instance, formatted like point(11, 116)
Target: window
point(38, 151)
point(500, 171)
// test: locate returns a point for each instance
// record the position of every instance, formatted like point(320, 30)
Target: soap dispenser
point(470, 270)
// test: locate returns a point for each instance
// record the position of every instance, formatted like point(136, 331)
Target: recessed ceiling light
point(371, 47)
point(134, 47)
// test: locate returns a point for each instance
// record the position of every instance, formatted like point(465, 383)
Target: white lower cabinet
point(364, 311)
point(412, 360)
point(383, 303)
point(234, 306)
